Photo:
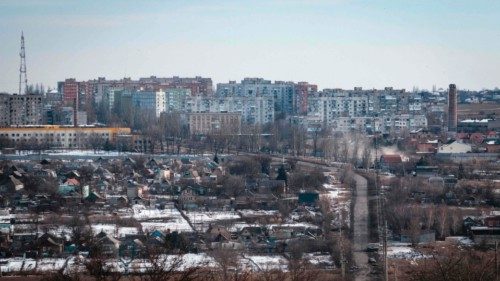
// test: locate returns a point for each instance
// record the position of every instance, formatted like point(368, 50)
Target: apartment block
point(61, 136)
point(18, 110)
point(211, 122)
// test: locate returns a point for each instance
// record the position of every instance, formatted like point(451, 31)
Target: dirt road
point(361, 229)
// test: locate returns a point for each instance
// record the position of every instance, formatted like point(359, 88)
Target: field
point(478, 110)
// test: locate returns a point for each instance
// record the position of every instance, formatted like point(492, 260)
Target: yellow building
point(63, 136)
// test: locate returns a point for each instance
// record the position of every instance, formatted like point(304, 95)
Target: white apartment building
point(330, 106)
point(283, 93)
point(253, 110)
point(176, 100)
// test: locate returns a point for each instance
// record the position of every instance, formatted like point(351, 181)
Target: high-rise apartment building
point(283, 93)
point(70, 89)
point(18, 110)
point(302, 92)
point(149, 100)
point(94, 90)
point(177, 99)
point(253, 110)
point(214, 122)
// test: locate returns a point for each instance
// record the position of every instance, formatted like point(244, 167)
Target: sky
point(332, 43)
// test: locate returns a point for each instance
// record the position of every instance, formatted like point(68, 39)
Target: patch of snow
point(319, 259)
point(195, 217)
point(257, 213)
point(263, 263)
point(403, 251)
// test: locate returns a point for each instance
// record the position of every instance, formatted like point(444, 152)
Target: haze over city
point(307, 140)
point(335, 44)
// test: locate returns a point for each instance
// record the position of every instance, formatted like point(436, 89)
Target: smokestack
point(452, 108)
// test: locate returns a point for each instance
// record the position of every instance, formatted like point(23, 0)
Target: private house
point(50, 245)
point(218, 233)
point(429, 147)
point(493, 221)
point(485, 234)
point(132, 246)
point(11, 184)
point(254, 234)
point(188, 199)
point(72, 182)
point(134, 191)
point(109, 245)
point(391, 162)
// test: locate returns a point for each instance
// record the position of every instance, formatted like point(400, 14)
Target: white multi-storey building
point(283, 93)
point(253, 110)
point(176, 100)
point(331, 105)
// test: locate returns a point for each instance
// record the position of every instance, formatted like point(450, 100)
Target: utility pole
point(23, 78)
point(342, 262)
point(395, 271)
point(377, 189)
point(386, 263)
point(496, 261)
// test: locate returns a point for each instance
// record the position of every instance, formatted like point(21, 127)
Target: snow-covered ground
point(215, 216)
point(238, 226)
point(178, 224)
point(156, 219)
point(258, 213)
point(113, 229)
point(202, 220)
point(48, 264)
point(403, 251)
point(263, 263)
point(78, 152)
point(182, 262)
point(460, 240)
point(334, 191)
point(319, 259)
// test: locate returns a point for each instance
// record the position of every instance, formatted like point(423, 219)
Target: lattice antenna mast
point(23, 78)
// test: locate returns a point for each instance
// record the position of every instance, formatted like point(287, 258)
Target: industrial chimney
point(452, 108)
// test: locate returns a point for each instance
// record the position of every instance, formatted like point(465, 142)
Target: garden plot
point(202, 220)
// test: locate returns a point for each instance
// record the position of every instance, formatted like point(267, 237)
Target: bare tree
point(163, 267)
point(455, 264)
point(95, 141)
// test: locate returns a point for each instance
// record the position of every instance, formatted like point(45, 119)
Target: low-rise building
point(455, 147)
point(63, 137)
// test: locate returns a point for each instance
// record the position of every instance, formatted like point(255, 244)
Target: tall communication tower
point(23, 78)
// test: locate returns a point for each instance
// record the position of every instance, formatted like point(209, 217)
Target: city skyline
point(334, 44)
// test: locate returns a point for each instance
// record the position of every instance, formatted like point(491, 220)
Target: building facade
point(149, 100)
point(61, 136)
point(205, 123)
point(177, 99)
point(18, 110)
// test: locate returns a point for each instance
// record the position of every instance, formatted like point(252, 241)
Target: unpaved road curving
point(360, 229)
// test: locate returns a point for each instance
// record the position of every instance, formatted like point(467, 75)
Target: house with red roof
point(73, 182)
point(391, 162)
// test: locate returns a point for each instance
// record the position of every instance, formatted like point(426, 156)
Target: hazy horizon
point(334, 44)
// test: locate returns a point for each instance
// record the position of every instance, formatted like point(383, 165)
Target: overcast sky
point(336, 43)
